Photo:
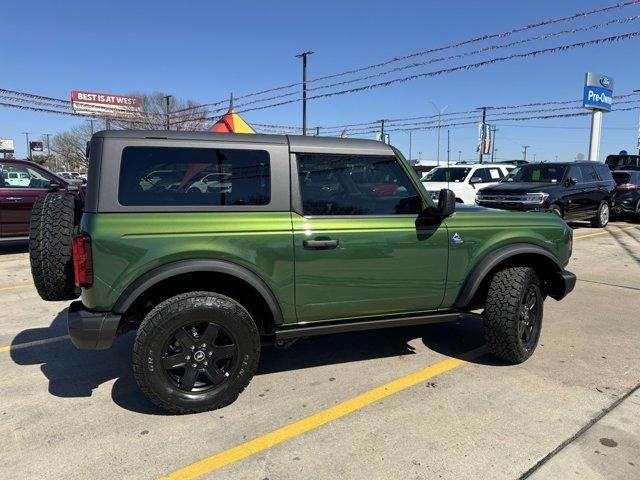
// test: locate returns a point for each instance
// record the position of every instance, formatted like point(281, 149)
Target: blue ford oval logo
point(605, 82)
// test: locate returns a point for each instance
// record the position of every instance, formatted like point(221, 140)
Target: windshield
point(537, 173)
point(448, 174)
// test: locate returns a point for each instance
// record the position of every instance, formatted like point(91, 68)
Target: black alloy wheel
point(199, 357)
point(530, 317)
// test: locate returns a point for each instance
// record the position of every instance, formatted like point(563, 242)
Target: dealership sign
point(104, 104)
point(6, 146)
point(598, 92)
point(36, 146)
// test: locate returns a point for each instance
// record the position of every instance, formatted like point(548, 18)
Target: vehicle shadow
point(75, 373)
point(14, 246)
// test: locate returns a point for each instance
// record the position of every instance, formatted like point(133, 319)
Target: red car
point(21, 183)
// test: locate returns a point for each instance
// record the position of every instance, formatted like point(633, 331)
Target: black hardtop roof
point(297, 143)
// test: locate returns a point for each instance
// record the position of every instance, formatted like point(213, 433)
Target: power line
point(399, 58)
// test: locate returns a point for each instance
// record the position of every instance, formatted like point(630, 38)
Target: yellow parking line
point(13, 287)
point(312, 422)
point(605, 232)
point(7, 348)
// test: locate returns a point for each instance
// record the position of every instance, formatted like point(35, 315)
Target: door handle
point(14, 199)
point(320, 244)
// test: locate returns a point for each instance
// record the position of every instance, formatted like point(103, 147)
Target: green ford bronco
point(211, 245)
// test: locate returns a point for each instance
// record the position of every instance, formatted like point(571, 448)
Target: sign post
point(598, 97)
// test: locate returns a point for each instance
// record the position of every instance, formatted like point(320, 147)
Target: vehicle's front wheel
point(513, 314)
point(602, 217)
point(196, 352)
point(553, 208)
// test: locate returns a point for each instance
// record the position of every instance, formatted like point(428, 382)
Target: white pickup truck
point(464, 180)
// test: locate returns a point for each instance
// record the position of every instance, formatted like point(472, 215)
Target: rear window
point(169, 176)
point(621, 177)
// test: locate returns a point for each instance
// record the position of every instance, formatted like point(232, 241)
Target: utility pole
point(448, 148)
point(440, 111)
point(28, 145)
point(638, 139)
point(46, 136)
point(493, 144)
point(381, 130)
point(524, 151)
point(304, 56)
point(482, 139)
point(317, 131)
point(167, 99)
point(459, 155)
point(410, 142)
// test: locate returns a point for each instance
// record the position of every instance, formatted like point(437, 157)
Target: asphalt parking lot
point(408, 403)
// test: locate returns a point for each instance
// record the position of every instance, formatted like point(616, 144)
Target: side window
point(167, 176)
point(481, 173)
point(355, 185)
point(14, 176)
point(603, 171)
point(588, 173)
point(574, 172)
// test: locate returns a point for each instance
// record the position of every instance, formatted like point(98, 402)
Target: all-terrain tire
point(54, 221)
point(503, 322)
point(602, 217)
point(177, 314)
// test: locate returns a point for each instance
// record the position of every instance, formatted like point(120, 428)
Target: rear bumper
point(562, 284)
point(91, 330)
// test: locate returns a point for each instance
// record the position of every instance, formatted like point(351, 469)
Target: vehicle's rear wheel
point(513, 314)
point(602, 217)
point(556, 209)
point(196, 352)
point(54, 220)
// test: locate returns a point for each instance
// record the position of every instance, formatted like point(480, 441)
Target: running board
point(307, 330)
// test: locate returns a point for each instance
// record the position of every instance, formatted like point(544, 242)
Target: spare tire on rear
point(54, 221)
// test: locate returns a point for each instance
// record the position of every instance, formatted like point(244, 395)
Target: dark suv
point(572, 190)
point(626, 199)
point(21, 183)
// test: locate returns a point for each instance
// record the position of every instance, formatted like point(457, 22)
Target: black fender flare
point(489, 262)
point(156, 275)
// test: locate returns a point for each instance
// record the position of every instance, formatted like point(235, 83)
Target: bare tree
point(183, 114)
point(70, 146)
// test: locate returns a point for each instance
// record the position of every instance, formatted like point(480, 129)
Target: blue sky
point(202, 50)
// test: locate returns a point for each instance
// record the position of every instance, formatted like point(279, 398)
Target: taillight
point(82, 261)
point(627, 186)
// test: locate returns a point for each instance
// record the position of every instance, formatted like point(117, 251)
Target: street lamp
point(440, 111)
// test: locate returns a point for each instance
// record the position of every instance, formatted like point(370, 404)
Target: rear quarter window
point(175, 176)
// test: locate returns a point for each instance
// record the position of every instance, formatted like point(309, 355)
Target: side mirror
point(571, 181)
point(475, 180)
point(54, 186)
point(446, 202)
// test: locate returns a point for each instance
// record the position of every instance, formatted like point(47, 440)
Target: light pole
point(524, 151)
point(304, 56)
point(26, 134)
point(459, 154)
point(440, 111)
point(167, 99)
point(493, 144)
point(410, 144)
